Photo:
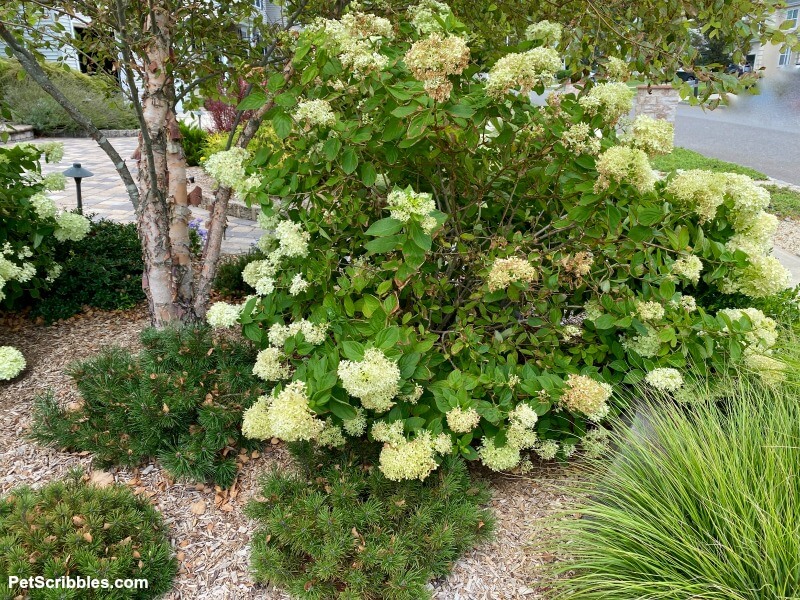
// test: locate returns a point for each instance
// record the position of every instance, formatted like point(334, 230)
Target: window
point(785, 58)
point(791, 17)
point(260, 3)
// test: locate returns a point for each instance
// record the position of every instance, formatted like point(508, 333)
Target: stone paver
point(105, 197)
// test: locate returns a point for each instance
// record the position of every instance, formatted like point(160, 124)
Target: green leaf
point(382, 245)
point(387, 338)
point(650, 215)
point(331, 148)
point(384, 227)
point(462, 110)
point(419, 237)
point(368, 174)
point(353, 350)
point(404, 111)
point(282, 123)
point(254, 100)
point(342, 409)
point(349, 161)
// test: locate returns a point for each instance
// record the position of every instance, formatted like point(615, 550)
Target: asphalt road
point(768, 142)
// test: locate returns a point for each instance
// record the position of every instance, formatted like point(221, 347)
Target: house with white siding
point(77, 28)
point(772, 58)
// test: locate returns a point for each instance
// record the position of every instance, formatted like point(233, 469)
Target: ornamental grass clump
point(180, 400)
point(73, 528)
point(702, 502)
point(339, 529)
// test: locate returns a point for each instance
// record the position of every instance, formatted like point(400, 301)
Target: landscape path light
point(77, 172)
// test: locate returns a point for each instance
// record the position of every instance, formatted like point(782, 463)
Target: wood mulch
point(209, 531)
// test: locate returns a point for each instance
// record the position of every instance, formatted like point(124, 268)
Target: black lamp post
point(77, 173)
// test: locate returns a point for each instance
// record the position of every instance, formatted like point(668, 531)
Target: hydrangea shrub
point(31, 225)
point(451, 268)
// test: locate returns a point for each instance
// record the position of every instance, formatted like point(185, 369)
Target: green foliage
point(28, 222)
point(682, 158)
point(785, 202)
point(265, 137)
point(180, 399)
point(782, 307)
point(339, 529)
point(654, 36)
point(228, 281)
point(73, 528)
point(194, 140)
point(98, 97)
point(502, 183)
point(103, 270)
point(701, 502)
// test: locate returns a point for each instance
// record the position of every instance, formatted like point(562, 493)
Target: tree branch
point(35, 71)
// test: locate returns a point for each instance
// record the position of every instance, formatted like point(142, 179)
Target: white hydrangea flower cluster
point(408, 459)
point(71, 226)
point(665, 379)
point(435, 58)
point(12, 363)
point(298, 285)
point(54, 182)
point(645, 345)
point(44, 206)
point(689, 266)
point(260, 275)
point(704, 192)
point(228, 168)
point(585, 395)
point(764, 334)
point(617, 69)
point(581, 139)
point(611, 100)
point(649, 311)
point(356, 38)
point(522, 71)
point(222, 315)
point(688, 303)
point(373, 380)
point(547, 449)
point(285, 415)
point(356, 426)
point(652, 136)
point(625, 164)
point(315, 113)
point(404, 204)
point(292, 240)
point(596, 442)
point(546, 32)
point(770, 370)
point(270, 365)
point(462, 420)
point(423, 16)
point(505, 271)
point(10, 270)
point(520, 436)
point(53, 151)
point(314, 334)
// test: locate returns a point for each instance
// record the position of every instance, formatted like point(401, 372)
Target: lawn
point(682, 158)
point(785, 202)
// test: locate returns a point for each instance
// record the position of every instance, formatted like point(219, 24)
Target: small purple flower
point(196, 225)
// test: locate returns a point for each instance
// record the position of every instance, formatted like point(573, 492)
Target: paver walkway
point(105, 196)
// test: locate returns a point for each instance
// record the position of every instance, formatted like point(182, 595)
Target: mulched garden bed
point(209, 531)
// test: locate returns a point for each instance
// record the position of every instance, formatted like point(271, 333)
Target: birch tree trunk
point(164, 213)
